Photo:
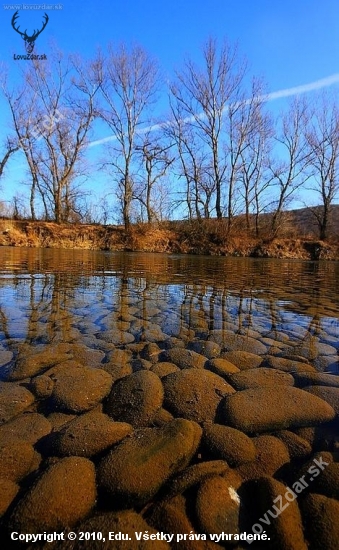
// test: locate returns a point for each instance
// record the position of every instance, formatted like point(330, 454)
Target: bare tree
point(156, 158)
point(22, 106)
point(244, 123)
point(192, 161)
point(128, 81)
point(323, 144)
point(52, 114)
point(11, 146)
point(290, 172)
point(254, 177)
point(204, 96)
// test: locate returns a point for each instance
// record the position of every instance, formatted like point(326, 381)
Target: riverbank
point(198, 237)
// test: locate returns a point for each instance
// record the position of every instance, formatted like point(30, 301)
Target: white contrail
point(304, 88)
point(287, 92)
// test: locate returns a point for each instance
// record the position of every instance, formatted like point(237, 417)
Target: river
point(149, 345)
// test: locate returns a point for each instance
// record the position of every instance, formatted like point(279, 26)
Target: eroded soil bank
point(169, 237)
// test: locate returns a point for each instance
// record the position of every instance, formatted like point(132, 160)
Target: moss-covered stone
point(135, 470)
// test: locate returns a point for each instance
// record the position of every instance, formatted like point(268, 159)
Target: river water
point(172, 377)
point(51, 295)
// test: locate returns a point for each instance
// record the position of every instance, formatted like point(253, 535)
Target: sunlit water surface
point(49, 296)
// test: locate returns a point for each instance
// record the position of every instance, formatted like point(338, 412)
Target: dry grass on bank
point(210, 237)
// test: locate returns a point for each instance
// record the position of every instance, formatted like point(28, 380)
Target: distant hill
point(304, 223)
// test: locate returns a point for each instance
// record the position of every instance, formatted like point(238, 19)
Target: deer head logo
point(29, 40)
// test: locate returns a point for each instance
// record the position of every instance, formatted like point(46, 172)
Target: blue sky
point(289, 43)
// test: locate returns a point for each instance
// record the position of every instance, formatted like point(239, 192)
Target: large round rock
point(260, 377)
point(320, 515)
point(271, 455)
point(328, 394)
point(195, 394)
point(17, 459)
point(64, 494)
point(133, 472)
point(30, 364)
point(78, 388)
point(228, 444)
point(264, 409)
point(287, 365)
point(86, 435)
point(285, 529)
point(136, 399)
point(28, 427)
point(13, 400)
point(218, 506)
point(303, 379)
point(183, 358)
point(244, 360)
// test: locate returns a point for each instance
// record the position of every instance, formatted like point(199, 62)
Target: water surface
point(48, 296)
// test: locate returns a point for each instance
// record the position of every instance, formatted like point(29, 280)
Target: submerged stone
point(195, 394)
point(86, 435)
point(5, 357)
point(78, 388)
point(14, 399)
point(64, 494)
point(134, 471)
point(28, 426)
point(267, 409)
point(229, 444)
point(136, 399)
point(320, 515)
